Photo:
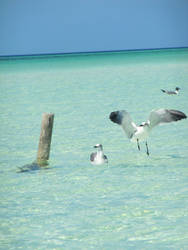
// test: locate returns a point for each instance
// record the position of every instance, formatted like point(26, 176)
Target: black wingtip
point(116, 117)
point(163, 90)
point(113, 116)
point(177, 115)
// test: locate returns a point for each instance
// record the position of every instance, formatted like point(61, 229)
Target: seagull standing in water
point(141, 132)
point(171, 92)
point(98, 157)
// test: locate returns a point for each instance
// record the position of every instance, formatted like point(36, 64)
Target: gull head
point(99, 146)
point(144, 124)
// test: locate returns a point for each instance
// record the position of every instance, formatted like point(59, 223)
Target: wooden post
point(45, 139)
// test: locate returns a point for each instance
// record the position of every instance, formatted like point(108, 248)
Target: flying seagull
point(98, 157)
point(141, 132)
point(171, 92)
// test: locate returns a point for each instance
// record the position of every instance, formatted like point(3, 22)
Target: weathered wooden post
point(45, 139)
point(44, 145)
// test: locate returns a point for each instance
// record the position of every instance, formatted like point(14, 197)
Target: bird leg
point(138, 144)
point(147, 150)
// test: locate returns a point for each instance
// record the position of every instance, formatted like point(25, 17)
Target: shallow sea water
point(134, 202)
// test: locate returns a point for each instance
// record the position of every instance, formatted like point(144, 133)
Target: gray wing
point(123, 118)
point(164, 116)
point(128, 125)
point(92, 156)
point(169, 92)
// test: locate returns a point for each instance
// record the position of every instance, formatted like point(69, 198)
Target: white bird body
point(141, 132)
point(134, 132)
point(98, 157)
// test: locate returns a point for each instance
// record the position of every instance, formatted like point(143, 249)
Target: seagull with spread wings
point(171, 92)
point(138, 133)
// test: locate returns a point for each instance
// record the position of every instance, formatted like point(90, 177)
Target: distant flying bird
point(171, 92)
point(98, 157)
point(141, 132)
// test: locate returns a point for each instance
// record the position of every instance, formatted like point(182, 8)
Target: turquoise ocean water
point(134, 202)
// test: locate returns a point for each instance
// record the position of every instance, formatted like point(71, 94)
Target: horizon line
point(85, 52)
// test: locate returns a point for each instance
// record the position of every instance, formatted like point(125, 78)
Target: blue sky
point(59, 26)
